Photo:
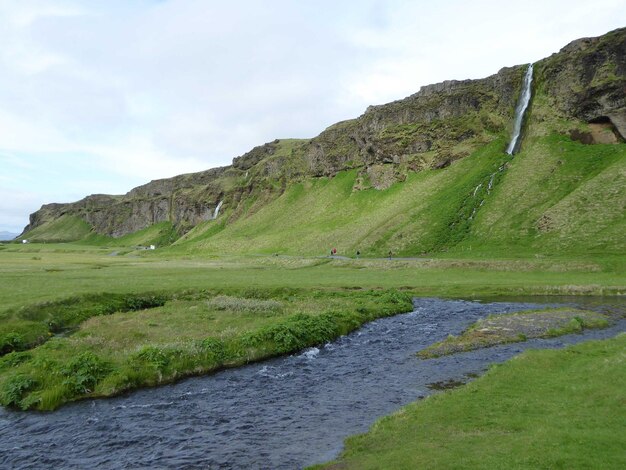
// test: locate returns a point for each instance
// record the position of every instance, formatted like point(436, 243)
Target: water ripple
point(283, 413)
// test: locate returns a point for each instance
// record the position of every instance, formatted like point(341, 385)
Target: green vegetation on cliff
point(555, 196)
point(65, 228)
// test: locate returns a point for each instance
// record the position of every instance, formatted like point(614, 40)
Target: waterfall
point(490, 185)
point(217, 210)
point(513, 147)
point(520, 109)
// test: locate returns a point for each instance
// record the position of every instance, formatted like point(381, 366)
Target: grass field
point(80, 320)
point(99, 316)
point(33, 273)
point(543, 409)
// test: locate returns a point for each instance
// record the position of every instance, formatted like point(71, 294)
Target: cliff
point(584, 83)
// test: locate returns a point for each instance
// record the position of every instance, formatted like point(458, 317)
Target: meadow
point(84, 321)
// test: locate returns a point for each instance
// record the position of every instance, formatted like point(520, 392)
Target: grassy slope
point(65, 228)
point(575, 191)
point(543, 409)
point(555, 196)
point(69, 228)
point(162, 233)
point(315, 215)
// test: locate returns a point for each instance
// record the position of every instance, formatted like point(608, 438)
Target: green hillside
point(555, 196)
point(159, 234)
point(422, 175)
point(65, 228)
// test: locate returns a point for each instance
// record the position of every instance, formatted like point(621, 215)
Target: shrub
point(143, 301)
point(296, 332)
point(396, 297)
point(84, 372)
point(214, 348)
point(15, 388)
point(11, 342)
point(237, 304)
point(13, 359)
point(153, 356)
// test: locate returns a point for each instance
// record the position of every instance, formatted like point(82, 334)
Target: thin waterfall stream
point(520, 110)
point(515, 143)
point(217, 210)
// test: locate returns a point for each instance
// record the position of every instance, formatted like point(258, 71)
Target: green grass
point(41, 273)
point(28, 326)
point(65, 228)
point(317, 214)
point(78, 301)
point(558, 195)
point(127, 342)
point(543, 409)
point(160, 234)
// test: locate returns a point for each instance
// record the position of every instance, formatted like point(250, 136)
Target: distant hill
point(426, 173)
point(5, 236)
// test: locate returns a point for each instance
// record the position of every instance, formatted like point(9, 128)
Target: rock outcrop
point(587, 80)
point(441, 123)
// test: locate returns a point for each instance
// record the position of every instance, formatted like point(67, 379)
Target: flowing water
point(216, 212)
point(283, 413)
point(520, 110)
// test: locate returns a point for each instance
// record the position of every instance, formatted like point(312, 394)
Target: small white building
point(152, 247)
point(24, 241)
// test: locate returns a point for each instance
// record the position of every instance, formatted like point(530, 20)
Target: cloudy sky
point(101, 96)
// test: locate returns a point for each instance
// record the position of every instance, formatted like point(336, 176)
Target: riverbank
point(173, 336)
point(284, 413)
point(543, 409)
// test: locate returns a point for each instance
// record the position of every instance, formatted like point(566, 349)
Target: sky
point(102, 96)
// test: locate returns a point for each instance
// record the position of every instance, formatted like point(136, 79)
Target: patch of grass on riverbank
point(517, 327)
point(542, 409)
point(185, 333)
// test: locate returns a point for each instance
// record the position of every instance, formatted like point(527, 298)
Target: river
point(287, 412)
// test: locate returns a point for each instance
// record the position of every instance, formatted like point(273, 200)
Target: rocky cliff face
point(585, 81)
